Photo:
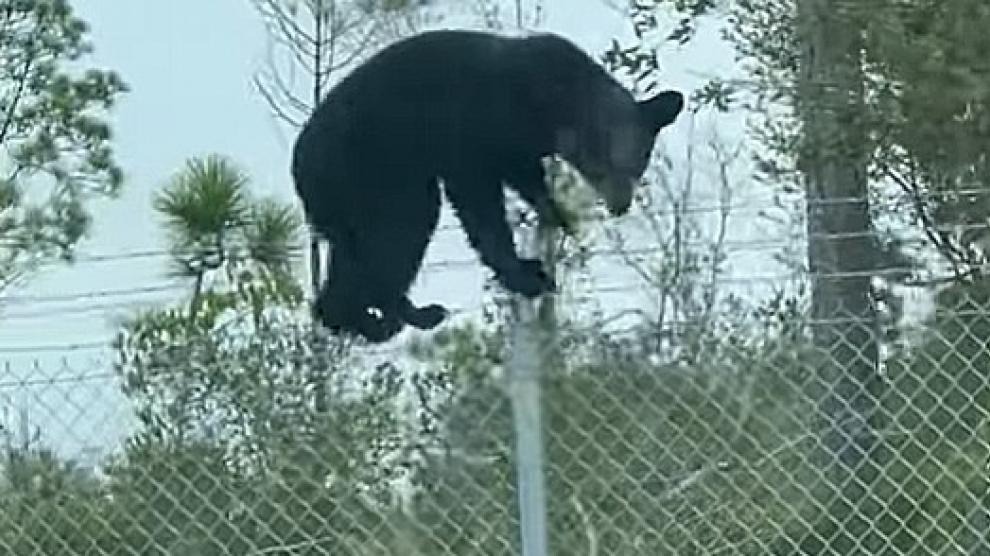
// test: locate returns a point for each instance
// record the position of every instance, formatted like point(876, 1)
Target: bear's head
point(610, 137)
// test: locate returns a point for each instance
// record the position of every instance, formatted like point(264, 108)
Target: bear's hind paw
point(426, 318)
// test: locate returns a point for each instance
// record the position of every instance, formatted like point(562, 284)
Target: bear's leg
point(389, 250)
point(342, 305)
point(480, 206)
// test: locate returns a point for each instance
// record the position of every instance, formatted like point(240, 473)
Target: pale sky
point(189, 64)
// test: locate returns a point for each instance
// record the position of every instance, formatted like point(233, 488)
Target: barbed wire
point(727, 246)
point(764, 202)
point(433, 266)
point(82, 309)
point(892, 271)
point(95, 294)
point(588, 296)
point(56, 347)
point(761, 204)
point(78, 378)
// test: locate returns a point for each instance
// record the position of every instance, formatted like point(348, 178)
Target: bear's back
point(432, 99)
point(438, 102)
point(429, 61)
point(451, 75)
point(428, 80)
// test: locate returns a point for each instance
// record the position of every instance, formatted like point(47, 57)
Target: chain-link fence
point(685, 439)
point(797, 413)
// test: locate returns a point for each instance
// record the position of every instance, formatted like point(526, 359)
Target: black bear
point(474, 111)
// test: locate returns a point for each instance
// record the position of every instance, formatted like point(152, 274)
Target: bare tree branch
point(14, 102)
point(939, 238)
point(275, 105)
point(284, 22)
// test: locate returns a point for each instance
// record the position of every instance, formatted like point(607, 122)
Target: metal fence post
point(525, 395)
point(524, 391)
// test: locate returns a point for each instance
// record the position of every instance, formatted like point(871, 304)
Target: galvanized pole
point(524, 392)
point(533, 338)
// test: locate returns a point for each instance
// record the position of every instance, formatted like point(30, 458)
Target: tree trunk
point(841, 251)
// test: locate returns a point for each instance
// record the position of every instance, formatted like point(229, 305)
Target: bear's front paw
point(529, 280)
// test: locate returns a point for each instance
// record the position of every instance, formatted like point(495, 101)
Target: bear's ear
point(661, 110)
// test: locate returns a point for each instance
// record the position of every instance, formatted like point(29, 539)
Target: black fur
point(474, 110)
